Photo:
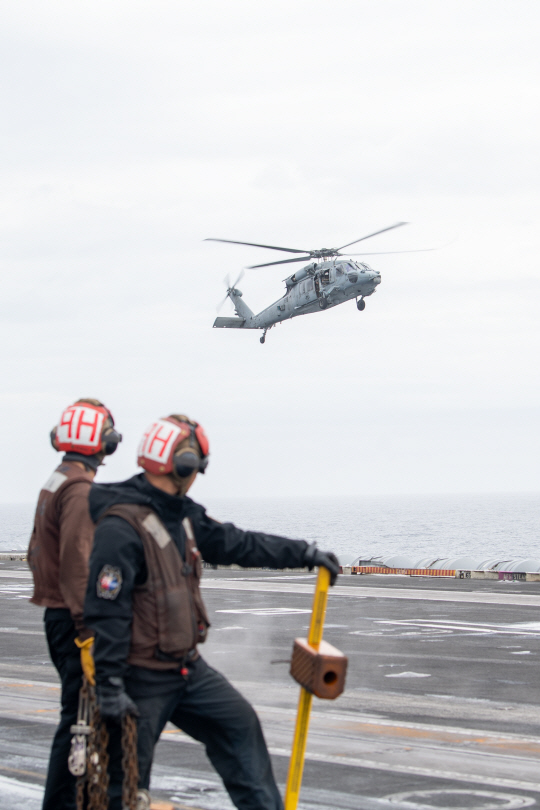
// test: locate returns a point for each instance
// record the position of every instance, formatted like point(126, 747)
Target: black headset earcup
point(185, 463)
point(52, 436)
point(111, 440)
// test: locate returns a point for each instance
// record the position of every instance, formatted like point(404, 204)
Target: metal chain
point(79, 792)
point(89, 758)
point(130, 763)
point(98, 762)
point(77, 760)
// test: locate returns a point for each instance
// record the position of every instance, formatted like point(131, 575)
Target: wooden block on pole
point(321, 672)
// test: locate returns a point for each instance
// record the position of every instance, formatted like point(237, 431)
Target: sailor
point(58, 556)
point(145, 607)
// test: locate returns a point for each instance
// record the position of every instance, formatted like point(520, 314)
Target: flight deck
point(441, 707)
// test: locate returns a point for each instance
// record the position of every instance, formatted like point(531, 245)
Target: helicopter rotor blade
point(227, 282)
point(255, 244)
point(240, 277)
point(385, 252)
point(220, 305)
point(390, 228)
point(283, 261)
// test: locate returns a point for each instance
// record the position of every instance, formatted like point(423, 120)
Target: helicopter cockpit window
point(325, 277)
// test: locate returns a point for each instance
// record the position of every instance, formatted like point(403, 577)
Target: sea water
point(506, 526)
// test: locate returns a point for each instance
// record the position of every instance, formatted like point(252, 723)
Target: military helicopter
point(328, 280)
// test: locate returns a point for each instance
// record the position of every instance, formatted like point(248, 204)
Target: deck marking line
point(357, 762)
point(360, 592)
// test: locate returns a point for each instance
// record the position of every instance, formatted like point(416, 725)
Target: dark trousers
point(206, 706)
point(65, 655)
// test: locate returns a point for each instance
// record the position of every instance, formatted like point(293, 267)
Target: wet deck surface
point(441, 710)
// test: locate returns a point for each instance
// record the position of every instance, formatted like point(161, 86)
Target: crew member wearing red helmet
point(145, 607)
point(58, 556)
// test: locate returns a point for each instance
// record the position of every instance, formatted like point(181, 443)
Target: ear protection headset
point(187, 460)
point(86, 428)
point(111, 439)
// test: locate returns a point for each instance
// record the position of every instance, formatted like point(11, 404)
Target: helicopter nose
point(377, 279)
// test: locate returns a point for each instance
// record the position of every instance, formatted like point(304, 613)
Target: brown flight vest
point(169, 617)
point(44, 552)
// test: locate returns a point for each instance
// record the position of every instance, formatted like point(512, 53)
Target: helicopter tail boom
point(241, 308)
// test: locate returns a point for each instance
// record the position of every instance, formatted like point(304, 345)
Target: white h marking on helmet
point(158, 441)
point(81, 425)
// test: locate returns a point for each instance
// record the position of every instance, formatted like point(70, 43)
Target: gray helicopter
point(331, 278)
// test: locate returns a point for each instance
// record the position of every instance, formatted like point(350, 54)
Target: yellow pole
point(296, 765)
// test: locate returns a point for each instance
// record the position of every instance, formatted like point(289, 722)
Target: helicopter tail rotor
point(230, 287)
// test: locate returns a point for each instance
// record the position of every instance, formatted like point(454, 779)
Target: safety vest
point(169, 617)
point(59, 559)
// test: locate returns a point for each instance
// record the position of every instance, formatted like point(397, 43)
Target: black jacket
point(118, 546)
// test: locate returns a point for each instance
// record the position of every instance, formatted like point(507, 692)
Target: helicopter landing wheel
point(262, 339)
point(361, 305)
point(323, 303)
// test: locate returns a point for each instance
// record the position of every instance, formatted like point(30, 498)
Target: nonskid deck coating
point(441, 704)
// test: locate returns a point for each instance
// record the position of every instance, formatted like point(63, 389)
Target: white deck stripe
point(360, 592)
point(412, 769)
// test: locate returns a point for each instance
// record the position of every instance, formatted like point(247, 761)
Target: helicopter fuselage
point(315, 287)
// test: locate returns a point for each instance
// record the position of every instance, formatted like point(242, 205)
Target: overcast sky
point(132, 131)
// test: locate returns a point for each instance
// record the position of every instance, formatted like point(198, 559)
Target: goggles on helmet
point(86, 429)
point(160, 452)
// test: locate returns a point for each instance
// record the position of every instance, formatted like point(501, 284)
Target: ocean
point(505, 526)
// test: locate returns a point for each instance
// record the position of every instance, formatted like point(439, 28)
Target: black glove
point(326, 559)
point(113, 700)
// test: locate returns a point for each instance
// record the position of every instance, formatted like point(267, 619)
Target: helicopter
point(330, 278)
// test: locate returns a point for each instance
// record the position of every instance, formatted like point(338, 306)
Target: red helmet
point(160, 452)
point(87, 429)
